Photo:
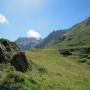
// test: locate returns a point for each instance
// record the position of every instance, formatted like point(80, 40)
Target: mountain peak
point(25, 43)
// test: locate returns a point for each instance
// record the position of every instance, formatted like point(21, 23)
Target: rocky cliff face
point(8, 46)
point(10, 53)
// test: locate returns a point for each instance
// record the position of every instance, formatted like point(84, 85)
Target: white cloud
point(3, 19)
point(33, 34)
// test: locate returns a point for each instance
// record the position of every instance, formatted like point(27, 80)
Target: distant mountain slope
point(26, 43)
point(78, 35)
point(51, 38)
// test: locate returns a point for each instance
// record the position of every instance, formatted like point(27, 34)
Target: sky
point(37, 18)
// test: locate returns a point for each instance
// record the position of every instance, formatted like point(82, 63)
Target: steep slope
point(78, 35)
point(27, 43)
point(51, 38)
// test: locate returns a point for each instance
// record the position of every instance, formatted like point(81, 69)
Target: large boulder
point(19, 61)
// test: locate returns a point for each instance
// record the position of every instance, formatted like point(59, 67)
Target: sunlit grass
point(64, 73)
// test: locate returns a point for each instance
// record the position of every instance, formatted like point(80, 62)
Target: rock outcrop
point(10, 53)
point(8, 46)
point(19, 61)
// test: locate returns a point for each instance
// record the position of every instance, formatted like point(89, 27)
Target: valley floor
point(58, 72)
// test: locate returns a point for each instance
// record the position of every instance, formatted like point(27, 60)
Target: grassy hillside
point(49, 71)
point(50, 38)
point(63, 73)
point(78, 35)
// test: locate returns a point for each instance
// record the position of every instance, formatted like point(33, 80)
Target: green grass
point(50, 71)
point(63, 73)
point(78, 35)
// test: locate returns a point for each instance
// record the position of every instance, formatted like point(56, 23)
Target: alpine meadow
point(45, 45)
